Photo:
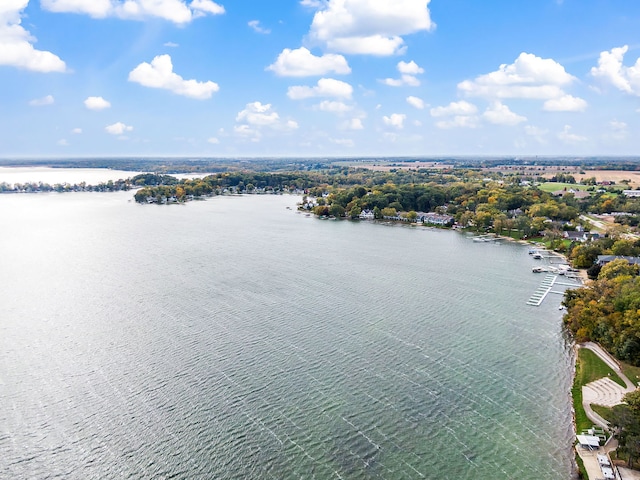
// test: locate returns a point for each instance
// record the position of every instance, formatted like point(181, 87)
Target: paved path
point(604, 392)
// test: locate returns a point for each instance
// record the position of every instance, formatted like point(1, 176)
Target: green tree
point(336, 210)
point(355, 211)
point(617, 268)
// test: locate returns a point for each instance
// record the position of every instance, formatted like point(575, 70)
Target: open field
point(616, 176)
point(383, 166)
point(555, 186)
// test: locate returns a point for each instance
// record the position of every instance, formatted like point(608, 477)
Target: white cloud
point(611, 70)
point(455, 108)
point(63, 142)
point(353, 124)
point(118, 128)
point(175, 11)
point(373, 27)
point(528, 77)
point(255, 25)
point(302, 63)
point(171, 45)
point(205, 6)
point(16, 44)
point(257, 116)
point(567, 137)
point(404, 80)
point(333, 106)
point(500, 114)
point(159, 74)
point(395, 120)
point(343, 142)
point(41, 102)
point(326, 87)
point(213, 140)
point(616, 131)
point(96, 103)
point(76, 131)
point(410, 68)
point(312, 3)
point(539, 134)
point(458, 121)
point(408, 73)
point(566, 103)
point(416, 102)
point(457, 114)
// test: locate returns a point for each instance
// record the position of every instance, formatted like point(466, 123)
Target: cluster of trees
point(584, 255)
point(563, 178)
point(157, 186)
point(626, 418)
point(608, 311)
point(33, 187)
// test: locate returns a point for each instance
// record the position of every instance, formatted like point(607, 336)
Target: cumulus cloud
point(326, 87)
point(566, 103)
point(96, 103)
point(63, 142)
point(395, 120)
point(456, 114)
point(312, 3)
point(16, 44)
point(528, 77)
point(611, 70)
point(213, 140)
point(458, 121)
point(372, 27)
point(171, 44)
point(41, 102)
point(333, 106)
point(302, 63)
point(455, 108)
point(118, 128)
point(416, 102)
point(256, 116)
point(159, 74)
point(567, 137)
point(409, 68)
point(76, 131)
point(500, 114)
point(255, 26)
point(408, 73)
point(175, 11)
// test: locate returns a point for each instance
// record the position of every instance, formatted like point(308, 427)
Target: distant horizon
point(408, 158)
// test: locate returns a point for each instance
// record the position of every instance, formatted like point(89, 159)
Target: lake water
point(234, 338)
point(91, 176)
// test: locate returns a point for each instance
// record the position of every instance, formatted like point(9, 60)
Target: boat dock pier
point(546, 287)
point(542, 291)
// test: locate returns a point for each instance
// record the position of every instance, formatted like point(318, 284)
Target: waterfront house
point(366, 215)
point(604, 259)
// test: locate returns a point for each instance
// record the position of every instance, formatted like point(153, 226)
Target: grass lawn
point(632, 373)
point(555, 186)
point(589, 367)
point(604, 412)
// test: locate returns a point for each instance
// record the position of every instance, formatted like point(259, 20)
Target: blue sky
point(319, 77)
